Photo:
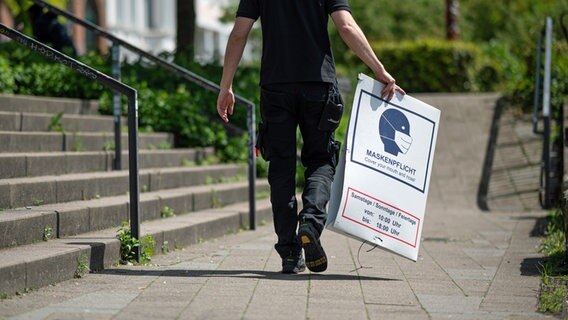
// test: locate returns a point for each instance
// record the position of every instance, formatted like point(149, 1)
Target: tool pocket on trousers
point(332, 111)
point(333, 149)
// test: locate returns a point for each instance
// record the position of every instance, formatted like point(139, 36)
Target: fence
point(181, 72)
point(115, 85)
point(552, 164)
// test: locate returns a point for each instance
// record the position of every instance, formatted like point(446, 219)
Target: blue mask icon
point(394, 130)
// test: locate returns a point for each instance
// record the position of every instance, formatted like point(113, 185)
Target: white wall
point(147, 24)
point(151, 25)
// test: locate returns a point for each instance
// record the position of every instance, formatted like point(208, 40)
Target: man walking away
point(298, 88)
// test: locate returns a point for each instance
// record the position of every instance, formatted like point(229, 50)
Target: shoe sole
point(316, 260)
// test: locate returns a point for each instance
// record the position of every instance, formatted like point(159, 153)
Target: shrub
point(34, 74)
point(170, 103)
point(430, 65)
point(521, 90)
point(6, 76)
point(166, 102)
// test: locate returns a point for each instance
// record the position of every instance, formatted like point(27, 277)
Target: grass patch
point(129, 245)
point(215, 200)
point(47, 233)
point(165, 247)
point(167, 212)
point(161, 146)
point(55, 123)
point(109, 146)
point(554, 270)
point(188, 163)
point(262, 194)
point(82, 266)
point(207, 161)
point(77, 143)
point(225, 179)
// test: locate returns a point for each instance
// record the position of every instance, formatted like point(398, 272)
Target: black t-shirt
point(295, 41)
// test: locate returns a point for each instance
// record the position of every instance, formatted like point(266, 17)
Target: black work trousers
point(284, 107)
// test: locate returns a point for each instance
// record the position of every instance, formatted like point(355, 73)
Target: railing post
point(546, 114)
point(133, 170)
point(537, 82)
point(117, 108)
point(251, 115)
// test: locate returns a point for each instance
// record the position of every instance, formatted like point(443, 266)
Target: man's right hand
point(225, 103)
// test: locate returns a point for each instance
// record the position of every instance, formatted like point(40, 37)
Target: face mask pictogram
point(398, 141)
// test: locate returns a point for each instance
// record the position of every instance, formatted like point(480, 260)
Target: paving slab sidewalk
point(472, 264)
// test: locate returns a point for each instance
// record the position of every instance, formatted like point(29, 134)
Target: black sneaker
point(293, 264)
point(316, 260)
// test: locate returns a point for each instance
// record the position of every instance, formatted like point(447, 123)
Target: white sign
point(381, 186)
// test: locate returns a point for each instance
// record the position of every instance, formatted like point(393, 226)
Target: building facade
point(149, 25)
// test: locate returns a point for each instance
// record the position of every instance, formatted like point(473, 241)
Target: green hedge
point(6, 76)
point(521, 92)
point(166, 102)
point(443, 66)
point(35, 75)
point(432, 65)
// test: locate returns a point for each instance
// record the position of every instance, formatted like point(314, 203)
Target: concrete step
point(49, 262)
point(26, 192)
point(95, 141)
point(23, 103)
point(33, 224)
point(20, 165)
point(24, 121)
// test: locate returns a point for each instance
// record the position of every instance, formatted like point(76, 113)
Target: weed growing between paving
point(82, 266)
point(55, 123)
point(128, 245)
point(47, 233)
point(167, 212)
point(165, 247)
point(554, 270)
point(215, 200)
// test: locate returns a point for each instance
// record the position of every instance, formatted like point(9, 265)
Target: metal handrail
point(190, 76)
point(537, 92)
point(552, 164)
point(113, 84)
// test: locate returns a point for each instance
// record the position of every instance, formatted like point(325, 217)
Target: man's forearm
point(356, 40)
point(235, 47)
point(354, 37)
point(233, 55)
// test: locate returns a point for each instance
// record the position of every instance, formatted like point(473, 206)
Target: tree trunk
point(185, 30)
point(452, 19)
point(5, 15)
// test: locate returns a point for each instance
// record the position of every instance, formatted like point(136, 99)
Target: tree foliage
point(507, 20)
point(401, 19)
point(18, 9)
point(505, 32)
point(480, 20)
